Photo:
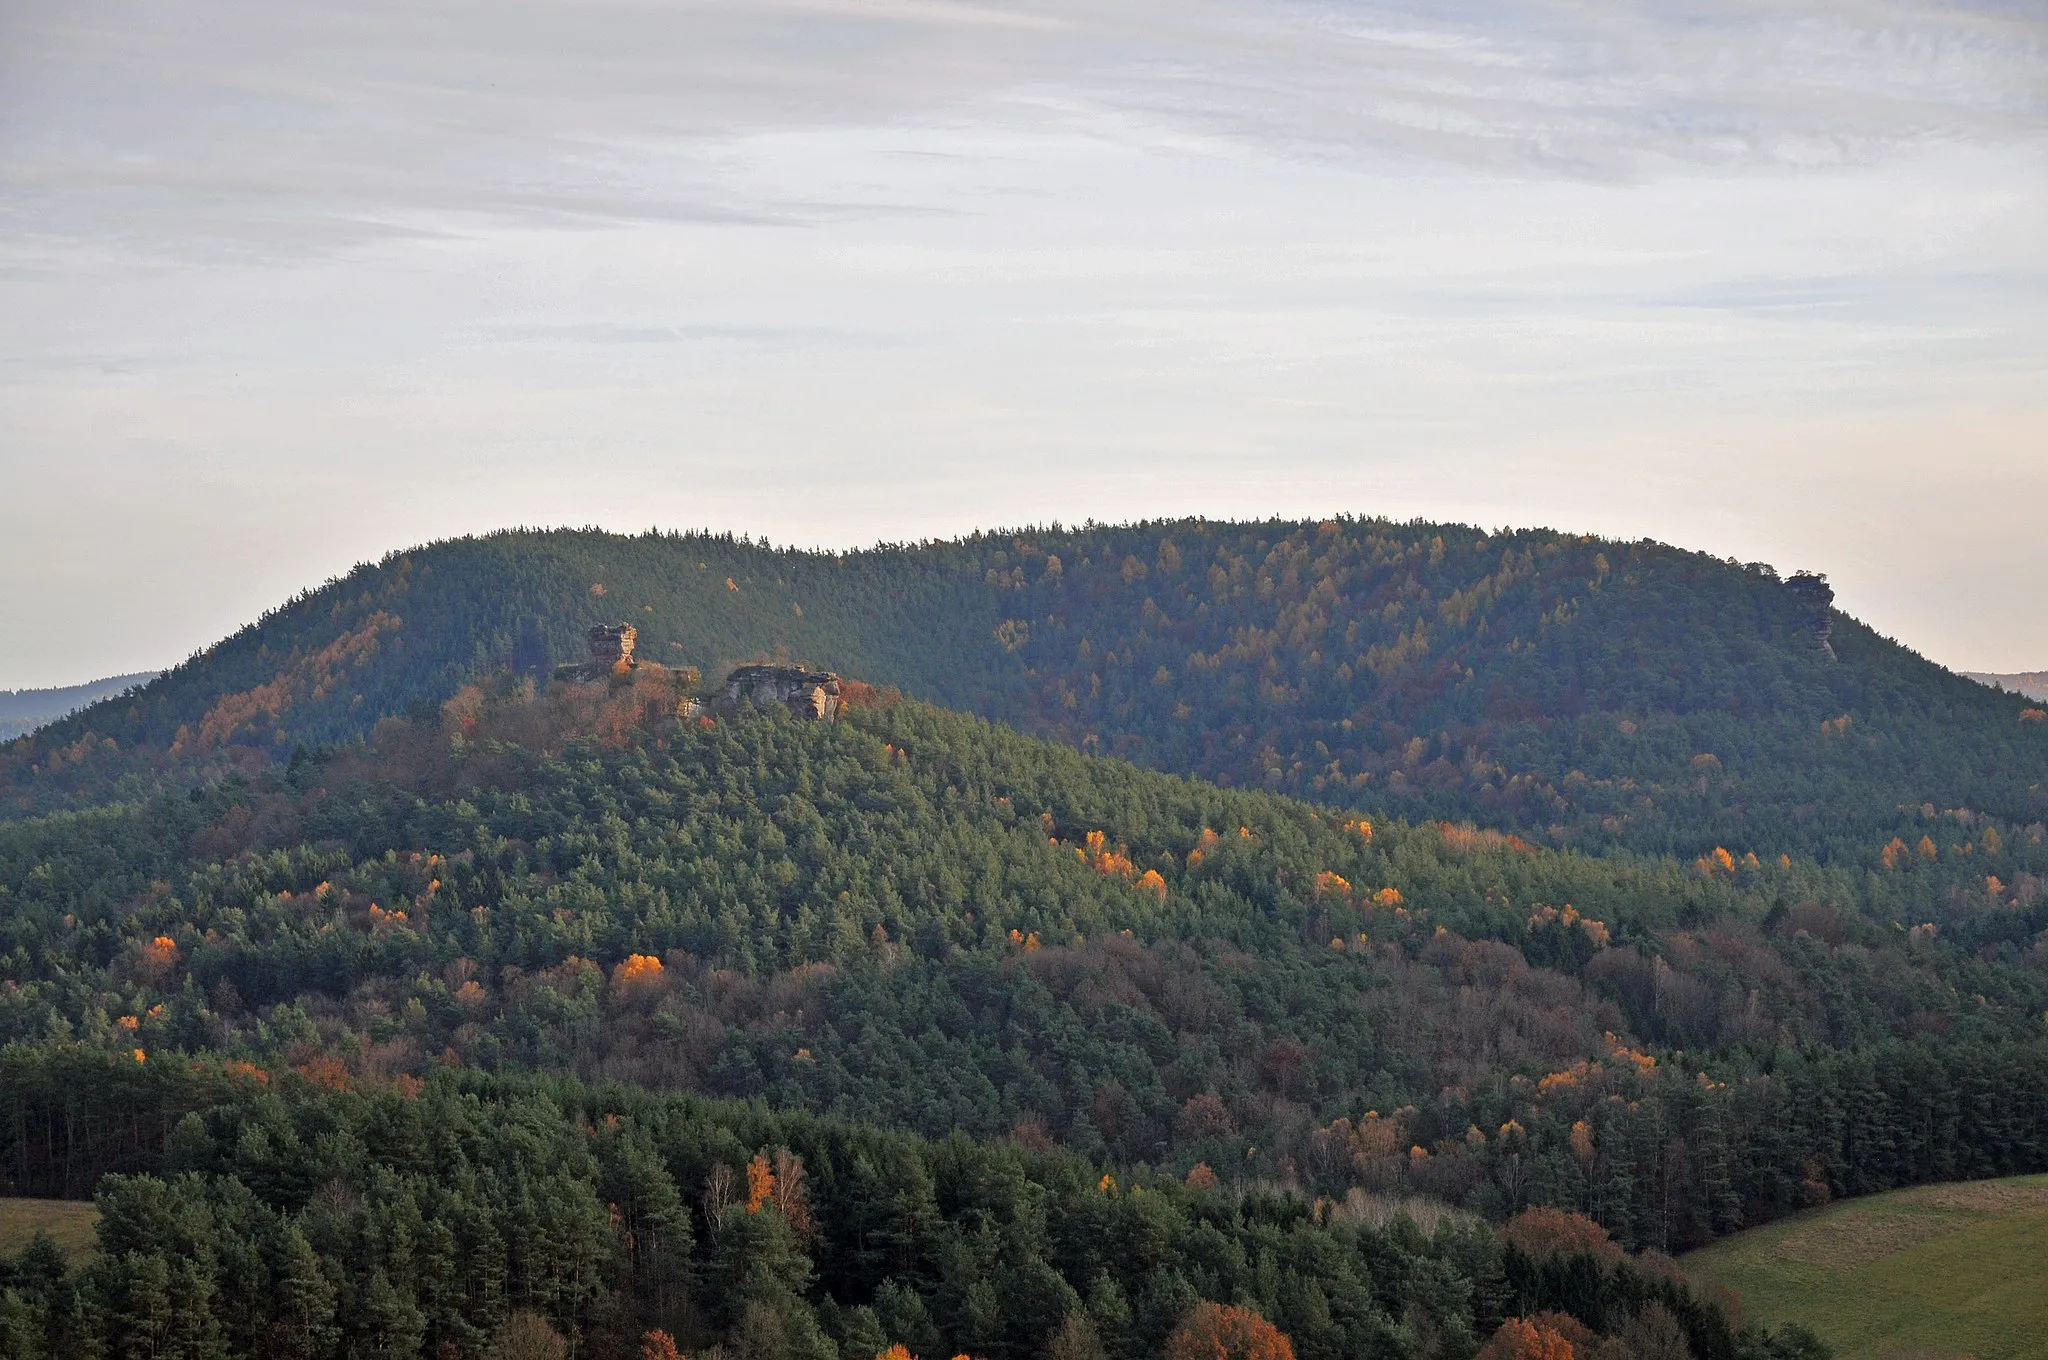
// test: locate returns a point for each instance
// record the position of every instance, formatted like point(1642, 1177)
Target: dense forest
point(922, 919)
point(1338, 939)
point(1579, 691)
point(251, 1215)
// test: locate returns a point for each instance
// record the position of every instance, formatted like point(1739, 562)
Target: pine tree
point(301, 1300)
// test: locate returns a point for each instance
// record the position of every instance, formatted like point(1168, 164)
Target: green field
point(68, 1222)
point(1933, 1273)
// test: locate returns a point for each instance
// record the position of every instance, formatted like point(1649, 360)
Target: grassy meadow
point(68, 1222)
point(1937, 1272)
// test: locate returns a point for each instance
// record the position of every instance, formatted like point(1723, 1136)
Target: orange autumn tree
point(659, 1345)
point(1214, 1331)
point(760, 1182)
point(636, 970)
point(1543, 1233)
point(1527, 1339)
point(160, 959)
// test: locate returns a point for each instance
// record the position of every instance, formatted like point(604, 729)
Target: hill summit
point(1585, 691)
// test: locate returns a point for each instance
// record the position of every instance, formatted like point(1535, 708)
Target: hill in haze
point(1581, 691)
point(24, 710)
point(2033, 684)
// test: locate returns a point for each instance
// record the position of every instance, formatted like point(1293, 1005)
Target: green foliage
point(468, 1216)
point(1588, 692)
point(1059, 1046)
point(921, 919)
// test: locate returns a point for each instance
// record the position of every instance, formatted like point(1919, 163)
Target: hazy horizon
point(285, 288)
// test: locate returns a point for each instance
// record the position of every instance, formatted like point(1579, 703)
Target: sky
point(285, 286)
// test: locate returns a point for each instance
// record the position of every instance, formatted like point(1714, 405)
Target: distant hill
point(1583, 691)
point(24, 710)
point(2033, 684)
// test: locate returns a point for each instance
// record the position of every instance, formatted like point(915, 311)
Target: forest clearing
point(68, 1222)
point(1933, 1272)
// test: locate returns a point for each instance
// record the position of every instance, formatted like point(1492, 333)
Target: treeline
point(1584, 692)
point(466, 1216)
point(916, 918)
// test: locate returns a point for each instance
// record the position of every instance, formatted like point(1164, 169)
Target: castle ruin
point(611, 643)
point(815, 696)
point(611, 651)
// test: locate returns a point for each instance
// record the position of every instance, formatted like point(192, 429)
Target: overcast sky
point(286, 285)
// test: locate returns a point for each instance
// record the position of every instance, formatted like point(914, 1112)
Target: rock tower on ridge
point(1812, 595)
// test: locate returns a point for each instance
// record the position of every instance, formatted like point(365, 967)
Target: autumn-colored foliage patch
point(1214, 1331)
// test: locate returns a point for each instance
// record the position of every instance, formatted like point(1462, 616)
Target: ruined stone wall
point(611, 643)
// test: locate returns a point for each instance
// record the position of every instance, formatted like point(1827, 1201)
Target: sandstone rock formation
point(611, 652)
point(810, 694)
point(1812, 595)
point(612, 643)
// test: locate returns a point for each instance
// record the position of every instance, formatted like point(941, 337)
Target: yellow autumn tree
point(792, 1195)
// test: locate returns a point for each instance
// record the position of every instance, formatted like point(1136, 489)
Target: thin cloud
point(1761, 276)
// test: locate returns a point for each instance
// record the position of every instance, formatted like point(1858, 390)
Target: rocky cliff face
point(611, 643)
point(1814, 596)
point(611, 652)
point(814, 695)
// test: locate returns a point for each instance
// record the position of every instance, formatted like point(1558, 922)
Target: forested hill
point(24, 710)
point(331, 1028)
point(918, 918)
point(1579, 690)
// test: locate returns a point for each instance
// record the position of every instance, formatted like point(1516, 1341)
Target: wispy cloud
point(320, 125)
point(1759, 275)
point(618, 333)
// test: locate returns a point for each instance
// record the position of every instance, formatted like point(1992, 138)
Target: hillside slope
point(1581, 691)
point(1946, 1272)
point(919, 918)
